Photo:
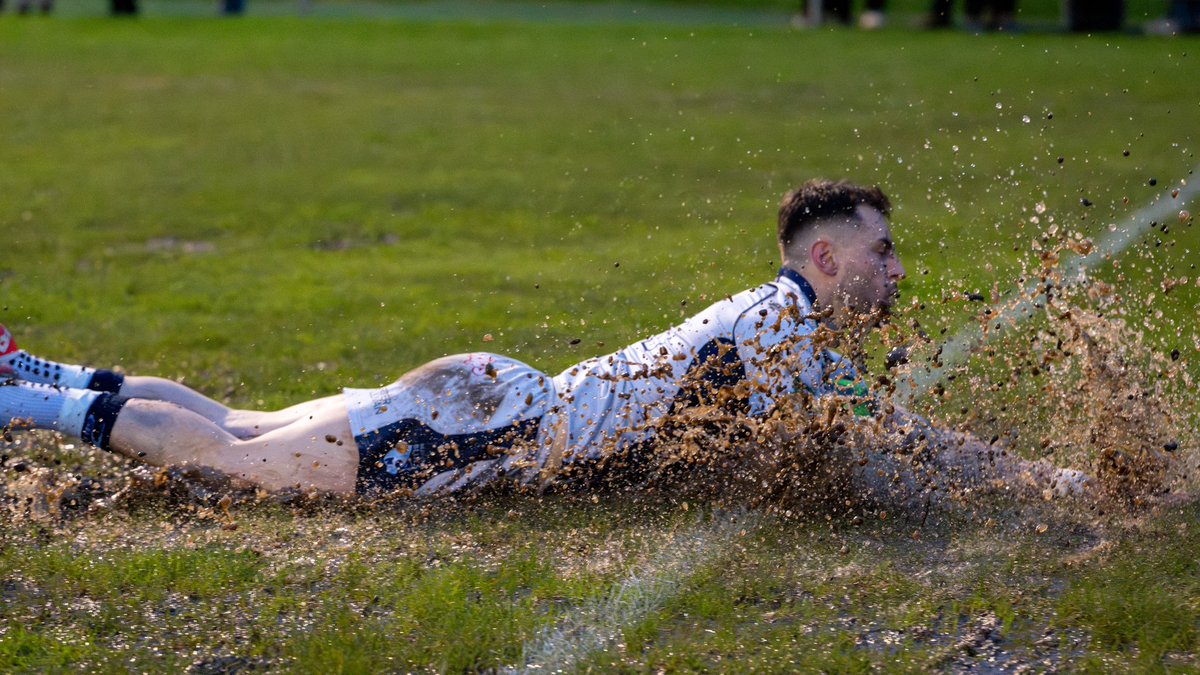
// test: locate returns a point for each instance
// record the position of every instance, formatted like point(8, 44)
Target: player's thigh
point(160, 389)
point(248, 424)
point(315, 452)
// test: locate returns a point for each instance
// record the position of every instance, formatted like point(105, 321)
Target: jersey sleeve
point(776, 347)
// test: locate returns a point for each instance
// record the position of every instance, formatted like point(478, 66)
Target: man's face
point(868, 270)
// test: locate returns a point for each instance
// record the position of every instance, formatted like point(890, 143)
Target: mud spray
point(1057, 372)
point(1067, 370)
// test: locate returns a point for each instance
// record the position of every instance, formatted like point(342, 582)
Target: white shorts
point(453, 421)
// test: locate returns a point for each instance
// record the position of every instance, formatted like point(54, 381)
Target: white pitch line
point(597, 626)
point(959, 348)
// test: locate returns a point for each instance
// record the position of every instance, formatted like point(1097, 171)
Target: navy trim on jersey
point(800, 281)
point(383, 465)
point(716, 366)
point(749, 314)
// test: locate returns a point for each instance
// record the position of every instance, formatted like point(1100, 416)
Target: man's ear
point(821, 256)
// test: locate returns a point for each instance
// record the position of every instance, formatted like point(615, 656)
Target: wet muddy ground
point(860, 552)
point(131, 567)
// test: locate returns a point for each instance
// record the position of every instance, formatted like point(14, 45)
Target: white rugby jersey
point(762, 336)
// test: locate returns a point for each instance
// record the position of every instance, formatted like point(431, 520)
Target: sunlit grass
point(467, 588)
point(274, 209)
point(381, 194)
point(1142, 605)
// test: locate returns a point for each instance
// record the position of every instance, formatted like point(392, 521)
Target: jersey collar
point(801, 283)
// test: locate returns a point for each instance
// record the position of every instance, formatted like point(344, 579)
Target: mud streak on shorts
point(408, 453)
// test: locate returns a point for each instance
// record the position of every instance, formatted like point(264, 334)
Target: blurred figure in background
point(1186, 13)
point(1092, 16)
point(980, 15)
point(123, 7)
point(1183, 16)
point(26, 6)
point(815, 13)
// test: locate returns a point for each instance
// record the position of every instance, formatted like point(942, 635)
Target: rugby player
point(466, 419)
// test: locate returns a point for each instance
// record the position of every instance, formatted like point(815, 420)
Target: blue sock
point(83, 413)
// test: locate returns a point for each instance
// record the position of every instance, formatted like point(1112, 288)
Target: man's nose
point(897, 271)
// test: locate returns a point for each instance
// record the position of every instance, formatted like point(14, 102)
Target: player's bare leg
point(315, 452)
point(16, 363)
point(240, 423)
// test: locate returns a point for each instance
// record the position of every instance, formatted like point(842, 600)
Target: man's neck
point(823, 299)
point(791, 274)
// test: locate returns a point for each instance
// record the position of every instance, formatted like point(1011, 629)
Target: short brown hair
point(820, 199)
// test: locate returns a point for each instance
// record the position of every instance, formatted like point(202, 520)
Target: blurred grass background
point(1037, 14)
point(276, 207)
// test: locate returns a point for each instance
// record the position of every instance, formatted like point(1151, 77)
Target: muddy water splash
point(1065, 374)
point(1064, 377)
point(1077, 388)
point(1061, 378)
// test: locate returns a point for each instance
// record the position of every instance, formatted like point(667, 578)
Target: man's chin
point(888, 307)
point(883, 313)
point(861, 321)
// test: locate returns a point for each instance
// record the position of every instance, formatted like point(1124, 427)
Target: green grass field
point(902, 14)
point(274, 208)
